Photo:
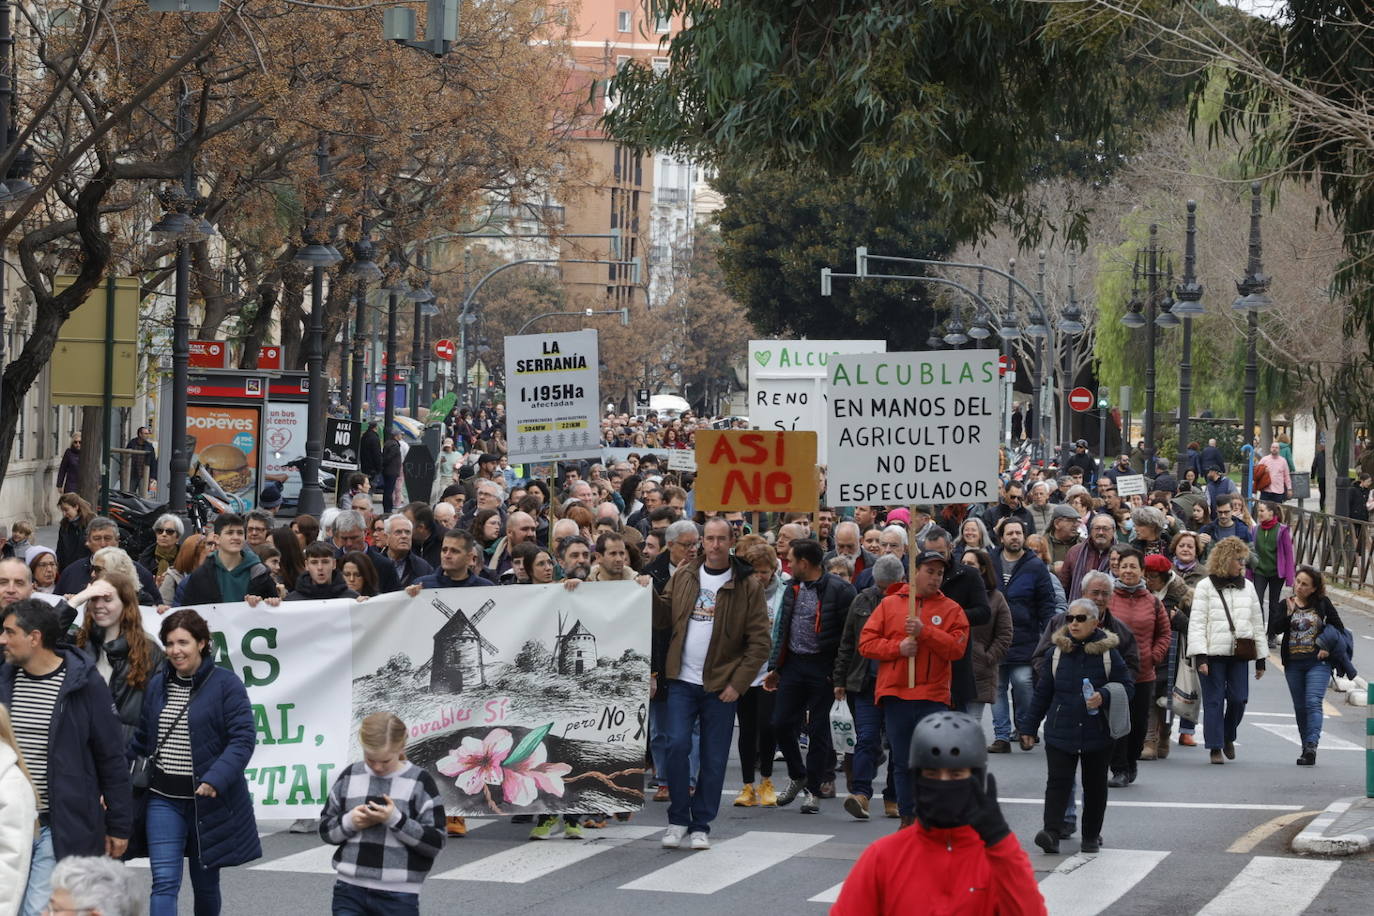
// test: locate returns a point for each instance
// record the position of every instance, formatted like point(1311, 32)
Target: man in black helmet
point(960, 856)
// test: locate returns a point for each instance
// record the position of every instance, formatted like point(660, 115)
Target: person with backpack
point(1085, 698)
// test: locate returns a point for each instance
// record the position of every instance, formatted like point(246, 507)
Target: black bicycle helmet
point(948, 740)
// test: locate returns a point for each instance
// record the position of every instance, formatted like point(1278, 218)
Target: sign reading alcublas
point(906, 428)
point(552, 397)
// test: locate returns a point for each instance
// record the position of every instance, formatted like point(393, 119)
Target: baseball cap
point(1081, 443)
point(925, 556)
point(489, 458)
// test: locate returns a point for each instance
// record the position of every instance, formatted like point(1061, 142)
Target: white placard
point(1131, 485)
point(552, 397)
point(907, 428)
point(682, 459)
point(787, 382)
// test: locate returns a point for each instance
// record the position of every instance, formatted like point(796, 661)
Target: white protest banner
point(682, 459)
point(519, 699)
point(907, 428)
point(552, 396)
point(787, 382)
point(1131, 485)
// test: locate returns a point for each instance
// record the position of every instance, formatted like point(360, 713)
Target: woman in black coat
point(113, 636)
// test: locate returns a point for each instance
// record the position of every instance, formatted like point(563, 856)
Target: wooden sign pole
point(911, 585)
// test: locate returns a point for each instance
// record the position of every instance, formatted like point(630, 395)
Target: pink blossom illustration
point(477, 763)
point(527, 778)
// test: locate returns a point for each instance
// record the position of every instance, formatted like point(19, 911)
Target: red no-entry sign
point(445, 349)
point(1081, 399)
point(1002, 364)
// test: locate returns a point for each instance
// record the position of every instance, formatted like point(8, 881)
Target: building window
point(622, 21)
point(663, 24)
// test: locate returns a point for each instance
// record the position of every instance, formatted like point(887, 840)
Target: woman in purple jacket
point(1274, 564)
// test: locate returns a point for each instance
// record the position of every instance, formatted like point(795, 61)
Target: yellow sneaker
point(746, 798)
point(457, 826)
point(767, 795)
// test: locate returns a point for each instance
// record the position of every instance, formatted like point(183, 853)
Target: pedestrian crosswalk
point(1112, 881)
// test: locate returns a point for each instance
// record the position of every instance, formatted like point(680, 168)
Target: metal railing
point(1340, 547)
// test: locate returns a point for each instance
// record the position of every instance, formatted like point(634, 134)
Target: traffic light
point(1102, 399)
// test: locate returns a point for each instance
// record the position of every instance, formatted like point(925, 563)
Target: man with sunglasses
point(1011, 505)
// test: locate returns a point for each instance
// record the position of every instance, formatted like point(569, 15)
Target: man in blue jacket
point(66, 726)
point(810, 623)
point(1030, 595)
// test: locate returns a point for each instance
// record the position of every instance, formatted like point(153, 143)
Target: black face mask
point(945, 802)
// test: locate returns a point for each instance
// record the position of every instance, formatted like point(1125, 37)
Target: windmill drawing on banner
point(458, 660)
point(574, 651)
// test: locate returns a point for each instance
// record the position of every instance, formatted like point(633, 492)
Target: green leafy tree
point(778, 229)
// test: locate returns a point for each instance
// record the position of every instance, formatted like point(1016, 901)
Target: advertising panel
point(284, 441)
point(227, 442)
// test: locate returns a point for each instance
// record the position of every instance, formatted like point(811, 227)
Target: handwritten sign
point(739, 470)
point(682, 459)
point(1130, 485)
point(787, 381)
point(908, 428)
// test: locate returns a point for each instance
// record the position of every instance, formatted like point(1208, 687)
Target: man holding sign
point(934, 636)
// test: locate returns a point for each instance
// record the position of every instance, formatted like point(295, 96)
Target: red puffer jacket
point(1141, 611)
point(941, 873)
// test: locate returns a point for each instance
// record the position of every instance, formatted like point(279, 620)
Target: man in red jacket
point(961, 857)
point(934, 636)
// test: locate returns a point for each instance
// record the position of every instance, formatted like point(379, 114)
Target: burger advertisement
point(227, 444)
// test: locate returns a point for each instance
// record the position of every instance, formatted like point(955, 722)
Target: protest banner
point(787, 382)
point(552, 396)
point(908, 428)
point(739, 470)
point(341, 442)
point(1131, 485)
point(519, 700)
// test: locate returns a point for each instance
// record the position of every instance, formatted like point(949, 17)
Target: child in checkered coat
point(385, 815)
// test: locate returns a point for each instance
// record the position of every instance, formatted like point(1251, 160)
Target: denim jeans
point(868, 746)
point(1307, 679)
point(804, 689)
point(1225, 691)
point(691, 706)
point(658, 743)
point(172, 839)
point(902, 717)
point(1018, 678)
point(352, 900)
point(40, 874)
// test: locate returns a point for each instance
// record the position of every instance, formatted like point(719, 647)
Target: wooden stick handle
point(910, 586)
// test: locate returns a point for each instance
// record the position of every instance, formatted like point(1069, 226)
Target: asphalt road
point(1188, 837)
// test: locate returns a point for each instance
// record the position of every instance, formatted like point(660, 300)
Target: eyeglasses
point(1078, 618)
point(166, 531)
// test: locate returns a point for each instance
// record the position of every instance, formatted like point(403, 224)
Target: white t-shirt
point(700, 625)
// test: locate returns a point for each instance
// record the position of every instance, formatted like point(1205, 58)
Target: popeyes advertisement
point(227, 442)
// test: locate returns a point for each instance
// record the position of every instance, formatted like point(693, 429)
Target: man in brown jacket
point(713, 616)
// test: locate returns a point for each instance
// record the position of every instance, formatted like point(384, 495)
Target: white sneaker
point(700, 840)
point(673, 838)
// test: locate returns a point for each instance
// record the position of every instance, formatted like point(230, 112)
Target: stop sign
point(1002, 364)
point(1081, 399)
point(445, 349)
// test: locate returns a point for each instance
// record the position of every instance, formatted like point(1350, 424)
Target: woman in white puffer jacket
point(1212, 644)
point(18, 820)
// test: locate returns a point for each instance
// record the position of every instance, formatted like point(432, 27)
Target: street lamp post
point(1188, 306)
point(1070, 326)
point(317, 254)
point(393, 304)
point(364, 269)
point(1133, 319)
point(1252, 298)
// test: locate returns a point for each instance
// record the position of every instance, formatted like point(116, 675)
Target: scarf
point(1220, 582)
point(1122, 586)
point(165, 557)
point(1184, 568)
point(1269, 522)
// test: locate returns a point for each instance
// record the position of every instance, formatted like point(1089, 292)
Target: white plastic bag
point(842, 727)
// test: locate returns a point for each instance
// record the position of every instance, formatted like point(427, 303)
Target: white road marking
point(1088, 885)
point(317, 860)
point(1290, 733)
point(829, 895)
point(1278, 886)
point(725, 863)
point(1201, 806)
point(532, 860)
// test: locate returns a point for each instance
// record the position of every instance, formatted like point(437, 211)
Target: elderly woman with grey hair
point(114, 559)
point(1072, 696)
point(1150, 530)
point(94, 886)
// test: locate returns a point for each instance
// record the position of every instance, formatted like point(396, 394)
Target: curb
point(1312, 841)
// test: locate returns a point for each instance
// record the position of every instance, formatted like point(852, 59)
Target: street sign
point(445, 349)
point(1002, 365)
point(269, 357)
point(208, 354)
point(1081, 399)
point(340, 444)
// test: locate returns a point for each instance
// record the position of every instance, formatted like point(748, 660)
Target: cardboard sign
point(1131, 485)
point(907, 428)
point(739, 470)
point(787, 381)
point(682, 459)
point(341, 444)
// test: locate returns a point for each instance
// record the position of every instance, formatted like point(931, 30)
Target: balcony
point(670, 195)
